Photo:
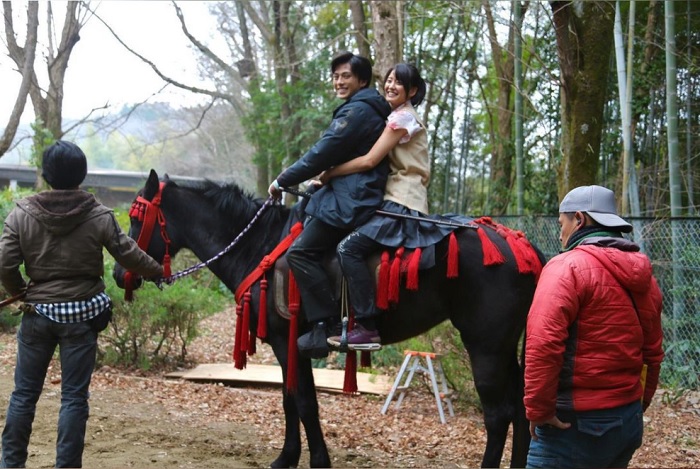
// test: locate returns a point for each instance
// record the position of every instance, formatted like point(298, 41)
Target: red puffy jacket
point(586, 343)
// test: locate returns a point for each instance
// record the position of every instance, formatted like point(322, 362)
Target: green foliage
point(8, 320)
point(261, 126)
point(673, 395)
point(280, 140)
point(7, 200)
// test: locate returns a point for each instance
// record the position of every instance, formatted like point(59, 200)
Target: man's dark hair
point(360, 66)
point(410, 78)
point(64, 165)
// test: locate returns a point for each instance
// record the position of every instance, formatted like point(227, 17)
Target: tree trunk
point(28, 53)
point(584, 41)
point(385, 25)
point(503, 152)
point(358, 23)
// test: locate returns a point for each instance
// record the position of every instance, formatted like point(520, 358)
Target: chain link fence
point(673, 245)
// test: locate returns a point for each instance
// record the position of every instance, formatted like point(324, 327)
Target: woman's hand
point(325, 177)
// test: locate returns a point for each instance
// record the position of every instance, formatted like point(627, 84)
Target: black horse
point(487, 304)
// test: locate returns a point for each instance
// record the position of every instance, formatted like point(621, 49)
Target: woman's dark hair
point(360, 66)
point(410, 78)
point(64, 165)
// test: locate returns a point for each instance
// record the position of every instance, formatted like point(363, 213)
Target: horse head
point(148, 227)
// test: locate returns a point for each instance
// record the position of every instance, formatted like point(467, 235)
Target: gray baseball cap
point(596, 201)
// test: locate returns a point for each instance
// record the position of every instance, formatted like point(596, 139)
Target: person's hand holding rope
point(275, 190)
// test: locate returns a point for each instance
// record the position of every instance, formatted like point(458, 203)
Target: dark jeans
point(305, 258)
point(37, 339)
point(598, 438)
point(353, 252)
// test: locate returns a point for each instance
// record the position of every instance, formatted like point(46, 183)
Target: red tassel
point(129, 287)
point(246, 323)
point(453, 257)
point(395, 276)
point(262, 311)
point(412, 276)
point(492, 255)
point(383, 282)
point(526, 254)
point(534, 259)
point(251, 343)
point(365, 359)
point(292, 352)
point(520, 258)
point(166, 266)
point(237, 361)
point(350, 381)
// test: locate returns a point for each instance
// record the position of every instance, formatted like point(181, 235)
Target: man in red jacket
point(594, 323)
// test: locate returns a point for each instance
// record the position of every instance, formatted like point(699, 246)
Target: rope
point(183, 273)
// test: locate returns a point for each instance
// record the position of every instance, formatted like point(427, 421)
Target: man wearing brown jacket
point(59, 236)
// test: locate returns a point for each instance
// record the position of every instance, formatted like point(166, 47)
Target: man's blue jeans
point(36, 342)
point(598, 438)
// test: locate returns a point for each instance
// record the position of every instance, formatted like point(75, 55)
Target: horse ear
point(152, 185)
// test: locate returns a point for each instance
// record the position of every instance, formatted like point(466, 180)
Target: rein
point(148, 212)
point(202, 265)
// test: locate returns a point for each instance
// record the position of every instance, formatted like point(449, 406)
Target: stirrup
point(364, 347)
point(343, 347)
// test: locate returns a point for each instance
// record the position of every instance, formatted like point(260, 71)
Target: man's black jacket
point(347, 201)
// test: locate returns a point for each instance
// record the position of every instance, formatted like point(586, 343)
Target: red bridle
point(148, 212)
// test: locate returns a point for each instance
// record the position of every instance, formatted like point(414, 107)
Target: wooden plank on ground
point(329, 380)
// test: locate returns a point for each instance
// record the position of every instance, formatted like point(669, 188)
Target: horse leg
point(291, 450)
point(301, 404)
point(521, 426)
point(497, 389)
point(307, 404)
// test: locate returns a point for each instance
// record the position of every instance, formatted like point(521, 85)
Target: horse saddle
point(280, 281)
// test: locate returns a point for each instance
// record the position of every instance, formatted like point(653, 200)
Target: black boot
point(314, 344)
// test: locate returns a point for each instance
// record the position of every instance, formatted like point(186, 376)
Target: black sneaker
point(313, 344)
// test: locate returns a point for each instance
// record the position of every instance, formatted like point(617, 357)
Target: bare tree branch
point(259, 22)
point(194, 89)
point(202, 47)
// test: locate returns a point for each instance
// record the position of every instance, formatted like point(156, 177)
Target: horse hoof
point(282, 461)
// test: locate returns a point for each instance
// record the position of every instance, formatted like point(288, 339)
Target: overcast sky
point(101, 71)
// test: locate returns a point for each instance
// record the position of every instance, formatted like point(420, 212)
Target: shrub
point(156, 328)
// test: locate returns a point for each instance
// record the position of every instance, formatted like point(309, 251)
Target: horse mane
point(235, 203)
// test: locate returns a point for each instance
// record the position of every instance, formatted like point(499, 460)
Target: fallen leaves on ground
point(357, 434)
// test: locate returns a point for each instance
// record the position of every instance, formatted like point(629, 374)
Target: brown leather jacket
point(59, 236)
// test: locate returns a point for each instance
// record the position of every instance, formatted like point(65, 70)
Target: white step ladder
point(414, 362)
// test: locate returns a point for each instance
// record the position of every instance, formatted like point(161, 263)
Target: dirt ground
point(152, 421)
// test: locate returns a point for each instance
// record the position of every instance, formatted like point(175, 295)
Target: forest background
point(526, 100)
